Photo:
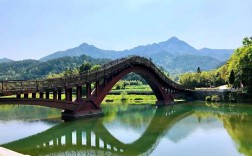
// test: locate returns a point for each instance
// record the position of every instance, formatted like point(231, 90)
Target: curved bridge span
point(88, 103)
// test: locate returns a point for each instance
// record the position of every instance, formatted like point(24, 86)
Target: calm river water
point(197, 129)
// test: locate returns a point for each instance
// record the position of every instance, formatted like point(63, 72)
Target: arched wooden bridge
point(89, 103)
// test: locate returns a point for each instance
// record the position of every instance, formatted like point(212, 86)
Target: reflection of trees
point(239, 127)
point(98, 138)
point(21, 112)
point(237, 120)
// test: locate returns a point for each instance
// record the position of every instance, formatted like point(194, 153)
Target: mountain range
point(174, 55)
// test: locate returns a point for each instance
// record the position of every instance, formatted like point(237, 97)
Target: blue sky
point(35, 28)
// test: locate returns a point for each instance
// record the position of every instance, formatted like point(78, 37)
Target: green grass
point(134, 88)
point(131, 99)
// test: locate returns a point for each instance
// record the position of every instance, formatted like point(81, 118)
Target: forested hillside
point(33, 69)
point(237, 71)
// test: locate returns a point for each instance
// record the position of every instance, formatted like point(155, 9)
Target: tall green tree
point(247, 41)
point(198, 70)
point(232, 77)
point(85, 67)
point(96, 67)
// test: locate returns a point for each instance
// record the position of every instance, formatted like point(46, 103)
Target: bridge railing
point(18, 85)
point(89, 76)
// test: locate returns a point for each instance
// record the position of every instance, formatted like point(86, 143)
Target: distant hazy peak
point(210, 49)
point(4, 60)
point(173, 39)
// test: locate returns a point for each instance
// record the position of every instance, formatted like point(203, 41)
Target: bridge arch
point(104, 79)
point(150, 77)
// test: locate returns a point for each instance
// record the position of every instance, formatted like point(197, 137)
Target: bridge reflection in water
point(91, 136)
point(94, 137)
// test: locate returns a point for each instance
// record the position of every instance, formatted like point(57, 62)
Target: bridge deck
point(13, 87)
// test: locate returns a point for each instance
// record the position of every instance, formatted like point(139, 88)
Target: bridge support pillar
point(54, 95)
point(68, 93)
point(34, 95)
point(96, 88)
point(88, 89)
point(79, 93)
point(59, 94)
point(26, 95)
point(41, 95)
point(18, 96)
point(47, 95)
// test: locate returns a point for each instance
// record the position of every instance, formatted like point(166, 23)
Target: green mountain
point(172, 47)
point(33, 69)
point(187, 63)
point(174, 55)
point(4, 60)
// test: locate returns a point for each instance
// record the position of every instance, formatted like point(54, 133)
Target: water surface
point(196, 128)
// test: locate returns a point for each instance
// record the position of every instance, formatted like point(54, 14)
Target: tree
point(198, 70)
point(85, 67)
point(68, 72)
point(247, 41)
point(232, 77)
point(96, 67)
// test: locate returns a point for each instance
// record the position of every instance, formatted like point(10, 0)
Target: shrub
point(215, 98)
point(109, 100)
point(208, 98)
point(138, 99)
point(123, 94)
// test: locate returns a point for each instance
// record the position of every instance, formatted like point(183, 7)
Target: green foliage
point(241, 64)
point(215, 98)
point(33, 69)
point(124, 95)
point(85, 67)
point(119, 85)
point(96, 67)
point(198, 70)
point(138, 99)
point(208, 98)
point(123, 83)
point(204, 79)
point(134, 76)
point(232, 77)
point(237, 71)
point(247, 41)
